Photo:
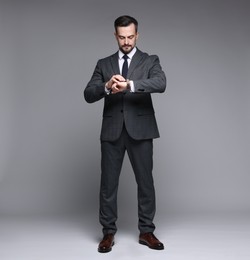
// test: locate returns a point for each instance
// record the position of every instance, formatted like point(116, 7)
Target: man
point(126, 80)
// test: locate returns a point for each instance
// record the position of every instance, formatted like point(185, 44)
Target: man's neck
point(130, 54)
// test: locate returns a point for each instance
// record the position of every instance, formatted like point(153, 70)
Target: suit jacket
point(135, 110)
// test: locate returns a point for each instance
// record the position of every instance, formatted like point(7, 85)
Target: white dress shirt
point(120, 61)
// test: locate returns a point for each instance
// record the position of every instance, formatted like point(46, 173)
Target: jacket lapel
point(134, 62)
point(115, 64)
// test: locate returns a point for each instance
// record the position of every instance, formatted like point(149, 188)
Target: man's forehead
point(125, 30)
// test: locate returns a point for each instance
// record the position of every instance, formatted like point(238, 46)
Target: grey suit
point(128, 124)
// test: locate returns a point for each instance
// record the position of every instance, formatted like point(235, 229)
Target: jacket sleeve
point(95, 89)
point(156, 80)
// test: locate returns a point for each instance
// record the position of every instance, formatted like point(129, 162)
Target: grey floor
point(76, 238)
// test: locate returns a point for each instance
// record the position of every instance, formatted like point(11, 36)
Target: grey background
point(50, 151)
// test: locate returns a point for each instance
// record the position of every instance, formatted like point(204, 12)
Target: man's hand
point(119, 87)
point(117, 84)
point(115, 79)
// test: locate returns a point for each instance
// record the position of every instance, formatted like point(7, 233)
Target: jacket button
point(121, 110)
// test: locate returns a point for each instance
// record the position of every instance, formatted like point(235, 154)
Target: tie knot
point(125, 57)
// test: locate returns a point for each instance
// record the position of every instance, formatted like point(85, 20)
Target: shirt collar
point(130, 55)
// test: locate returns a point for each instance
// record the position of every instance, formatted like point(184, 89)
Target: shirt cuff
point(132, 86)
point(107, 91)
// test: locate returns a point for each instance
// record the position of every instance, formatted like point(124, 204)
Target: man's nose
point(126, 41)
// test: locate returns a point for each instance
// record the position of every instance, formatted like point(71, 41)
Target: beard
point(126, 48)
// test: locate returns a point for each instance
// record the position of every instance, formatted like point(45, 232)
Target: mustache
point(126, 45)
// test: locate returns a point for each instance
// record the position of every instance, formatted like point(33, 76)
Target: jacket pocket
point(146, 113)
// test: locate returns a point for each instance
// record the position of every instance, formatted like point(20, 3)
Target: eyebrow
point(133, 35)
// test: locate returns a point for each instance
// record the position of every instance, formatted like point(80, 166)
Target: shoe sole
point(145, 244)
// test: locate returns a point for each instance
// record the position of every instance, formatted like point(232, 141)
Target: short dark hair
point(125, 20)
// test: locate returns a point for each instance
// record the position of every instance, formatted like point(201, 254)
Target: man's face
point(126, 38)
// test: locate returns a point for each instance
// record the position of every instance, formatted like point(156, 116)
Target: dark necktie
point(125, 66)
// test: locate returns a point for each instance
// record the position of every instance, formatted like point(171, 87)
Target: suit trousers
point(140, 153)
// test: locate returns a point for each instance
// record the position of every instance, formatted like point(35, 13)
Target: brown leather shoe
point(151, 241)
point(106, 244)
